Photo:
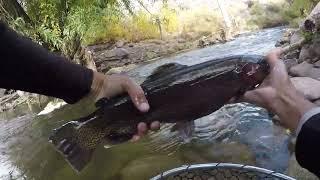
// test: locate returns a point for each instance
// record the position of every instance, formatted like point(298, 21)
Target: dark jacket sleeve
point(26, 66)
point(308, 145)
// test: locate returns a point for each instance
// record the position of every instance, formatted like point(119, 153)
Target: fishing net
point(220, 171)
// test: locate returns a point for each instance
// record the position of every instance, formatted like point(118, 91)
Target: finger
point(135, 138)
point(155, 125)
point(136, 94)
point(142, 129)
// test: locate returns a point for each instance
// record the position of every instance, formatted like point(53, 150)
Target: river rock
point(311, 52)
point(305, 69)
point(122, 69)
point(290, 63)
point(121, 53)
point(207, 41)
point(292, 55)
point(219, 152)
point(305, 54)
point(2, 92)
point(309, 87)
point(114, 54)
point(120, 43)
point(284, 40)
point(181, 40)
point(296, 37)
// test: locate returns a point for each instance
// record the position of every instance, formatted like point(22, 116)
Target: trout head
point(252, 74)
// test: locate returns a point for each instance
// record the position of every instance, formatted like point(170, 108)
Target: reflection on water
point(237, 133)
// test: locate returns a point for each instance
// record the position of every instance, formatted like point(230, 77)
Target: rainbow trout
point(176, 93)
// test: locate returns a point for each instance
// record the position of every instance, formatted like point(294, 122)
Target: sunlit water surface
point(238, 133)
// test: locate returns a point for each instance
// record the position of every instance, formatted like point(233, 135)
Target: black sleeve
point(308, 145)
point(26, 66)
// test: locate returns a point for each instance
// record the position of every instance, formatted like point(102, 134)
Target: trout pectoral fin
point(77, 157)
point(185, 129)
point(64, 141)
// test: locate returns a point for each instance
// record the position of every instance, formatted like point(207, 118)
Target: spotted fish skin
point(176, 93)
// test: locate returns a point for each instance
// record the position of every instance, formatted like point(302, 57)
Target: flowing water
point(239, 133)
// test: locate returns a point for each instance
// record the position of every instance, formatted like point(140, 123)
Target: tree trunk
point(15, 10)
point(312, 22)
point(226, 19)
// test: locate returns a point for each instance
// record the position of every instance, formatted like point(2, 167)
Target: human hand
point(278, 95)
point(109, 86)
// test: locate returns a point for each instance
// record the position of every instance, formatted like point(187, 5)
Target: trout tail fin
point(66, 141)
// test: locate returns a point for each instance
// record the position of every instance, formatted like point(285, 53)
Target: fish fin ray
point(184, 129)
point(64, 142)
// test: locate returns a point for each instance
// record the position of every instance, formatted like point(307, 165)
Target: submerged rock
point(309, 87)
point(232, 152)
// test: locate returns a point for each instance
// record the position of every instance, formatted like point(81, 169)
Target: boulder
point(309, 87)
point(290, 63)
point(305, 69)
point(317, 64)
point(114, 54)
point(122, 69)
point(296, 37)
point(315, 47)
point(2, 92)
point(305, 53)
point(121, 53)
point(283, 41)
point(120, 43)
point(181, 40)
point(292, 55)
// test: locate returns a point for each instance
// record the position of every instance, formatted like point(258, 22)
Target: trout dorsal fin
point(163, 70)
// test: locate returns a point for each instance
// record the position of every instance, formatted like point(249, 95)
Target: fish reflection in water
point(229, 131)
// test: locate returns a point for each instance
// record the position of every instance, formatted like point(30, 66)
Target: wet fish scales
point(176, 93)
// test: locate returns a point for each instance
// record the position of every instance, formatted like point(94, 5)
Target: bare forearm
point(290, 106)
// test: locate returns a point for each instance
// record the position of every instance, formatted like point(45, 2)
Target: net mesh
point(222, 173)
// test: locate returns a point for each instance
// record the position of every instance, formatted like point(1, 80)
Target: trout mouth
point(254, 73)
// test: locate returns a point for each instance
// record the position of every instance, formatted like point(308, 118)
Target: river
point(239, 133)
